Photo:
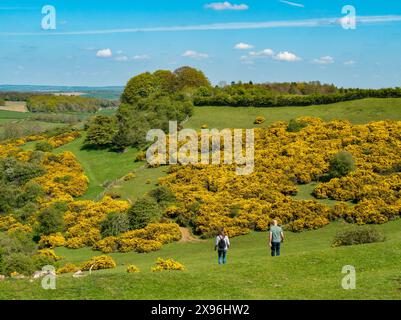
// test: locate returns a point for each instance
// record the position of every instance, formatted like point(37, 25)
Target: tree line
point(264, 96)
point(52, 103)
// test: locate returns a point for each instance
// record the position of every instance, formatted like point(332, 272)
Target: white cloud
point(195, 55)
point(104, 53)
point(226, 6)
point(141, 57)
point(324, 60)
point(124, 58)
point(243, 46)
point(287, 56)
point(263, 53)
point(293, 4)
point(349, 62)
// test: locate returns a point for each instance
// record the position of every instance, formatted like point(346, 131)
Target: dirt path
point(187, 237)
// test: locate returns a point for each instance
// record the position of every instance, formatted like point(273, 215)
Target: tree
point(166, 81)
point(143, 212)
point(341, 165)
point(140, 86)
point(114, 224)
point(101, 131)
point(51, 220)
point(191, 78)
point(132, 127)
point(162, 195)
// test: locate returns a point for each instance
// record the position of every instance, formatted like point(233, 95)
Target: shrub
point(259, 120)
point(99, 262)
point(52, 241)
point(132, 269)
point(18, 262)
point(143, 212)
point(114, 224)
point(49, 253)
point(67, 268)
point(50, 219)
point(296, 126)
point(140, 156)
point(341, 164)
point(168, 264)
point(129, 176)
point(43, 146)
point(358, 235)
point(162, 194)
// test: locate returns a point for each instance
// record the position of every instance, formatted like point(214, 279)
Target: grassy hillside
point(358, 111)
point(309, 268)
point(101, 166)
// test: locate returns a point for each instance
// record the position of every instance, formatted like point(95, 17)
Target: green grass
point(309, 268)
point(101, 166)
point(12, 115)
point(305, 192)
point(145, 180)
point(358, 111)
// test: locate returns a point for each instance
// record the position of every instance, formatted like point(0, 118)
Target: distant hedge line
point(2, 102)
point(17, 96)
point(51, 103)
point(220, 98)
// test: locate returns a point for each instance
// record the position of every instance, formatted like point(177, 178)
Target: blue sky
point(101, 43)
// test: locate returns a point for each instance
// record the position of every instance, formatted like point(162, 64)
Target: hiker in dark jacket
point(222, 244)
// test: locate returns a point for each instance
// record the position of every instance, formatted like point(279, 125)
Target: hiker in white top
point(222, 244)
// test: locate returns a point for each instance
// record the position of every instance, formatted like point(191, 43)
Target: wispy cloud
point(218, 6)
point(195, 55)
point(293, 4)
point(324, 60)
point(323, 22)
point(17, 8)
point(262, 53)
point(124, 58)
point(349, 62)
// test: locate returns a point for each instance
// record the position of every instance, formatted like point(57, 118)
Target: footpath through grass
point(309, 268)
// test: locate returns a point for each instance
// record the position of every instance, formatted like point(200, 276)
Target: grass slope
point(309, 268)
point(101, 166)
point(358, 111)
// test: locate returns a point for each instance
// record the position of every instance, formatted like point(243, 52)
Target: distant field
point(358, 111)
point(18, 106)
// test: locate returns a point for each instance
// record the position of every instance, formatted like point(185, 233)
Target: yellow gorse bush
point(168, 264)
point(213, 196)
point(50, 254)
point(99, 262)
point(67, 268)
point(132, 269)
point(150, 238)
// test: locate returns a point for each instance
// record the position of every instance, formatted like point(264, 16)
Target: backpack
point(222, 243)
